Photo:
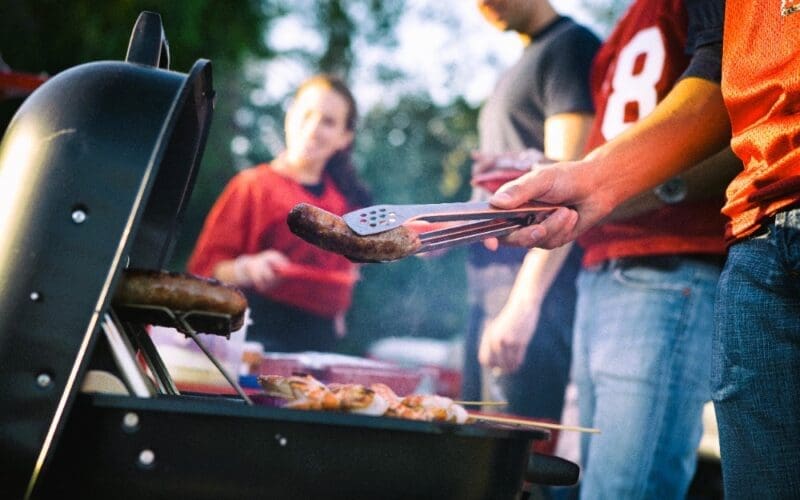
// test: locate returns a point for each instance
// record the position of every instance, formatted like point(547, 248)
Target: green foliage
point(416, 152)
point(50, 36)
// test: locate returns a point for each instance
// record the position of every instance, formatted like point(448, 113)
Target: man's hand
point(566, 183)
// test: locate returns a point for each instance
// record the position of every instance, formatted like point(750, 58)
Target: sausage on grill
point(180, 292)
point(330, 232)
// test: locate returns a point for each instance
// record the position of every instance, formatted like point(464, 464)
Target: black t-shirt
point(550, 77)
point(706, 19)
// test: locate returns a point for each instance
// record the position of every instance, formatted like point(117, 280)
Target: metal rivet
point(79, 216)
point(35, 296)
point(281, 440)
point(130, 421)
point(147, 458)
point(44, 380)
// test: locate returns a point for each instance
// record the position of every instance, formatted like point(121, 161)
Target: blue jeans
point(641, 352)
point(756, 376)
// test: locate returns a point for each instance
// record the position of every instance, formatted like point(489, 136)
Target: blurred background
point(419, 69)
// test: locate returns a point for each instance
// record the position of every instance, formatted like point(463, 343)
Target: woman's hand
point(259, 270)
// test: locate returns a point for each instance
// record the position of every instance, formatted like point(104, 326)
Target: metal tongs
point(488, 221)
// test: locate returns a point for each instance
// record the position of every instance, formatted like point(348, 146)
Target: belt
point(671, 261)
point(708, 258)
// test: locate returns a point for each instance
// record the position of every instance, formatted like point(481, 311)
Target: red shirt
point(635, 69)
point(250, 216)
point(761, 86)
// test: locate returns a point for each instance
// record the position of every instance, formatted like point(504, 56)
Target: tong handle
point(470, 233)
point(380, 218)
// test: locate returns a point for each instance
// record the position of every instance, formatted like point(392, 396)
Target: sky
point(444, 62)
point(461, 62)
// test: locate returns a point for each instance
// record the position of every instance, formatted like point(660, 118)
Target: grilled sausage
point(329, 232)
point(180, 292)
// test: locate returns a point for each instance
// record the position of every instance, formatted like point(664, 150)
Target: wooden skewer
point(481, 403)
point(531, 423)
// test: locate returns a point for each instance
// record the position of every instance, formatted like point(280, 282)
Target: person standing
point(755, 350)
point(298, 294)
point(644, 317)
point(521, 303)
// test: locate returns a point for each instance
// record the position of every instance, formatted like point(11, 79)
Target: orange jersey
point(762, 94)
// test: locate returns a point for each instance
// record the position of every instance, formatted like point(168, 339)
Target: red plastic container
point(493, 179)
point(343, 370)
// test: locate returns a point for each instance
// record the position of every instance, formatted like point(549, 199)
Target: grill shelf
point(186, 322)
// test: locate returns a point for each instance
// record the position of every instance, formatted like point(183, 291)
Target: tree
point(606, 12)
point(50, 36)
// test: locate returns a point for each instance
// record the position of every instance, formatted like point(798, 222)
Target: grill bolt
point(44, 380)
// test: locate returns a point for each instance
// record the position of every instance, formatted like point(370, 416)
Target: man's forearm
point(535, 276)
point(688, 126)
point(706, 180)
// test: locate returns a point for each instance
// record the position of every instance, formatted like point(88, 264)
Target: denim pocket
point(789, 232)
point(660, 274)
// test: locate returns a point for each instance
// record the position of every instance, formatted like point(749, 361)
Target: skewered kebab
point(303, 391)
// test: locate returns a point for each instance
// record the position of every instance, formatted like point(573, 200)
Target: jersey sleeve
point(567, 66)
point(706, 19)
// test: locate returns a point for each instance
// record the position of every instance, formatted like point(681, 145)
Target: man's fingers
point(528, 237)
point(531, 186)
point(558, 229)
point(491, 244)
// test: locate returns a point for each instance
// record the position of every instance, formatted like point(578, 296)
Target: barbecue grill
point(96, 169)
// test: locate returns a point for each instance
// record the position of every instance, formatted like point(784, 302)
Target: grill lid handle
point(551, 470)
point(148, 44)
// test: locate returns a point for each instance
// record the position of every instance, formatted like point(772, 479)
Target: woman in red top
point(298, 293)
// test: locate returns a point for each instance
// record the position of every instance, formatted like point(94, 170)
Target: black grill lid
point(96, 169)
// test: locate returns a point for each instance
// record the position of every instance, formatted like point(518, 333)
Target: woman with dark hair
point(298, 293)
